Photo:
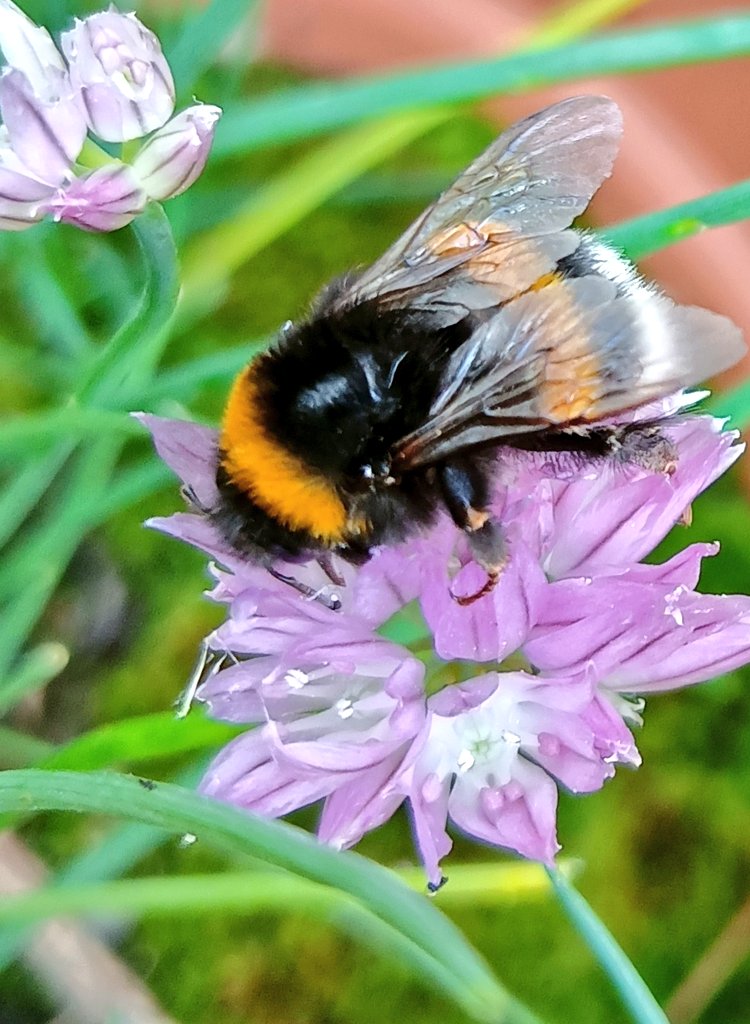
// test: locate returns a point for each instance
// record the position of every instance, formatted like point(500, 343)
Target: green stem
point(627, 982)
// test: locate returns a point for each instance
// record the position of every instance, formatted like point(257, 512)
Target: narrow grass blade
point(202, 38)
point(653, 231)
point(144, 738)
point(242, 892)
point(456, 967)
point(113, 855)
point(735, 404)
point(212, 256)
point(311, 110)
point(30, 573)
point(194, 373)
point(21, 494)
point(20, 750)
point(631, 988)
point(35, 670)
point(131, 485)
point(215, 253)
point(23, 435)
point(572, 20)
point(52, 313)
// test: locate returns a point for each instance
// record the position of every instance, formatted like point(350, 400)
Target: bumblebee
point(490, 324)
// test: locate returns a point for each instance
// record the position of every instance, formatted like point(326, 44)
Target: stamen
point(296, 678)
point(344, 708)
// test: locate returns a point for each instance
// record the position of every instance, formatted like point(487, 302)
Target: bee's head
point(330, 403)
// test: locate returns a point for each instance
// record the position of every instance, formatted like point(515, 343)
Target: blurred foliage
point(101, 619)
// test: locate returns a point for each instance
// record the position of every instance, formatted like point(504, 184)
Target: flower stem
point(627, 982)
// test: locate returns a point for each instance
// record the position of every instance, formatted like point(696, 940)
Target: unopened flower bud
point(175, 156)
point(46, 129)
point(104, 200)
point(26, 46)
point(45, 123)
point(122, 76)
point(22, 197)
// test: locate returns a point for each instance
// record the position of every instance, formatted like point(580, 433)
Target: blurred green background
point(101, 619)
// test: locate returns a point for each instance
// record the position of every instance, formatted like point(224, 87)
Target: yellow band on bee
point(275, 479)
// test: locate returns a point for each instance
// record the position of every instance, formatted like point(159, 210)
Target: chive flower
point(477, 713)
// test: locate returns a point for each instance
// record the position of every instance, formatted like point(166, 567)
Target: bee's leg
point(332, 601)
point(326, 564)
point(641, 444)
point(464, 489)
point(629, 444)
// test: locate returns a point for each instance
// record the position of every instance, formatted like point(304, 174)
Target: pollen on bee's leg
point(645, 446)
point(489, 586)
point(488, 550)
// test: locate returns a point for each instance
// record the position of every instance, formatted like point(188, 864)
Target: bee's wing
point(573, 352)
point(505, 216)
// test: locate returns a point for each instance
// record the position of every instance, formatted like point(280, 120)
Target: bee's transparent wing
point(568, 354)
point(503, 221)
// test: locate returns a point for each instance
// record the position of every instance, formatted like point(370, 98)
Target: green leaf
point(52, 313)
point(117, 852)
point(735, 404)
point(311, 110)
point(143, 738)
point(443, 952)
point(241, 892)
point(19, 750)
point(21, 495)
point(131, 485)
point(30, 573)
point(628, 983)
point(573, 20)
point(653, 231)
point(202, 38)
point(22, 435)
point(185, 377)
point(236, 892)
point(37, 668)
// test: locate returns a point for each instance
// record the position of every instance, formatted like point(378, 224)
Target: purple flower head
point(486, 709)
point(116, 82)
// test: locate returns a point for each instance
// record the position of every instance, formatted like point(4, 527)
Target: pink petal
point(519, 815)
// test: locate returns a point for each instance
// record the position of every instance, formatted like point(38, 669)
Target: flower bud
point(122, 76)
point(104, 200)
point(175, 156)
point(22, 197)
point(26, 46)
point(45, 133)
point(45, 123)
